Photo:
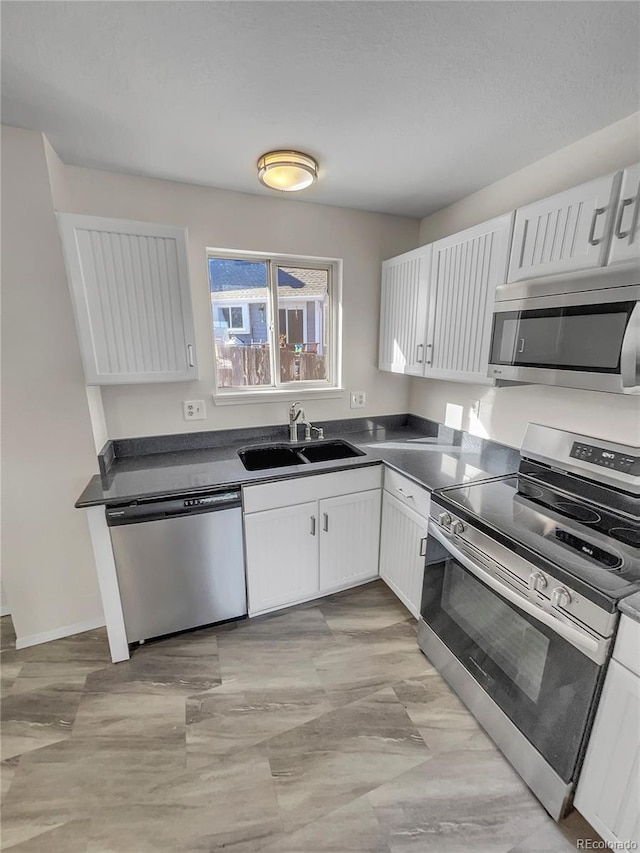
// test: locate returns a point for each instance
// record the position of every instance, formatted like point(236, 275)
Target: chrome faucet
point(295, 414)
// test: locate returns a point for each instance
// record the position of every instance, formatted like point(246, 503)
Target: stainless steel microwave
point(576, 338)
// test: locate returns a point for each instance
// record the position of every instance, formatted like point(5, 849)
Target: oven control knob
point(560, 597)
point(444, 519)
point(537, 581)
point(457, 527)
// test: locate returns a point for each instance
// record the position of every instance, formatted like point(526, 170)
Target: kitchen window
point(275, 323)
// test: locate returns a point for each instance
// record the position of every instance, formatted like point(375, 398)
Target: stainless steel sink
point(263, 457)
point(325, 451)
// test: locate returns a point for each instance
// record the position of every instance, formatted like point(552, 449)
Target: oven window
point(543, 684)
point(517, 647)
point(586, 338)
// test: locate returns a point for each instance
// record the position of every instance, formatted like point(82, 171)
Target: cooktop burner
point(574, 505)
point(595, 545)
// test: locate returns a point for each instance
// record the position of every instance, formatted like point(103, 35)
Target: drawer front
point(627, 647)
point(407, 492)
point(303, 489)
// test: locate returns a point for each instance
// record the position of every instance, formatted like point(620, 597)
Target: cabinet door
point(403, 540)
point(349, 539)
point(131, 298)
point(466, 269)
point(403, 312)
point(608, 790)
point(567, 232)
point(625, 243)
point(282, 556)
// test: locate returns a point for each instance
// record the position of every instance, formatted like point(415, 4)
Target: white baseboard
point(5, 611)
point(58, 633)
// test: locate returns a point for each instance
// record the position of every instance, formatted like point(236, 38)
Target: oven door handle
point(587, 644)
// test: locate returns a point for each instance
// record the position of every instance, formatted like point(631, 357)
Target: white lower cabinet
point(322, 537)
point(282, 555)
point(403, 538)
point(608, 791)
point(349, 539)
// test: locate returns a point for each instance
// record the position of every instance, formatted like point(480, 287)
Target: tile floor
point(322, 729)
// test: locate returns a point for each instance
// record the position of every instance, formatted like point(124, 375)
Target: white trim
point(58, 633)
point(108, 582)
point(242, 254)
point(297, 305)
point(333, 352)
point(5, 610)
point(272, 395)
point(245, 329)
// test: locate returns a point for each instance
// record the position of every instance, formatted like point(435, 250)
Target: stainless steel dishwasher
point(179, 561)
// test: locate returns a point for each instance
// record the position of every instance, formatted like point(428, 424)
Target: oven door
point(542, 677)
point(573, 340)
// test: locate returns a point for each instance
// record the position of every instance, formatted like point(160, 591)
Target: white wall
point(505, 412)
point(223, 219)
point(48, 454)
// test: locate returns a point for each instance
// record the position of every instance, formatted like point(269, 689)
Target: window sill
point(235, 398)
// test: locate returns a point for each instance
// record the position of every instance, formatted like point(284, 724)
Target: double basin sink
point(282, 455)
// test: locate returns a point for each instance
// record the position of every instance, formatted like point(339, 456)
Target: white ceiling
point(408, 106)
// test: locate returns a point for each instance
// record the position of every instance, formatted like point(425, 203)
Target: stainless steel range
point(519, 606)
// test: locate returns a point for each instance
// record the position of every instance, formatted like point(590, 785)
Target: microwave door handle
point(630, 351)
point(577, 638)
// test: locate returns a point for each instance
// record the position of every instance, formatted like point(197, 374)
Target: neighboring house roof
point(240, 280)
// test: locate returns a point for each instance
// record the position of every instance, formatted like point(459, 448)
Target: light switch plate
point(194, 410)
point(358, 399)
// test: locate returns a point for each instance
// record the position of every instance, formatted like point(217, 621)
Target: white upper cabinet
point(566, 232)
point(465, 271)
point(132, 301)
point(403, 312)
point(625, 243)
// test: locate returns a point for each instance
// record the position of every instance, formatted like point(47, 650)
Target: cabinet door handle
point(404, 494)
point(521, 349)
point(418, 359)
point(313, 525)
point(325, 522)
point(190, 355)
point(596, 213)
point(423, 546)
point(428, 360)
point(624, 203)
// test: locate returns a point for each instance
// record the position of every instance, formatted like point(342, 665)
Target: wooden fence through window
point(249, 365)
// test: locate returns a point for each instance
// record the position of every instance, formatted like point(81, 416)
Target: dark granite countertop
point(630, 606)
point(432, 455)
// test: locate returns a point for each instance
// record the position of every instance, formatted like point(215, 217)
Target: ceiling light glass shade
point(287, 171)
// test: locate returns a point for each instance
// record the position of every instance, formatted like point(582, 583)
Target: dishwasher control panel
point(172, 507)
point(223, 497)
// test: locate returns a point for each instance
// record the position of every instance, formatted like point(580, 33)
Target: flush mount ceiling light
point(287, 171)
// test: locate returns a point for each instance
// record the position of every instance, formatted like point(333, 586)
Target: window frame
point(320, 388)
point(244, 307)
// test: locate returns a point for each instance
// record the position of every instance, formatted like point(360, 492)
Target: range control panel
point(607, 458)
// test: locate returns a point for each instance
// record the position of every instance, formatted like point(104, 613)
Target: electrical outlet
point(475, 408)
point(358, 399)
point(194, 410)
